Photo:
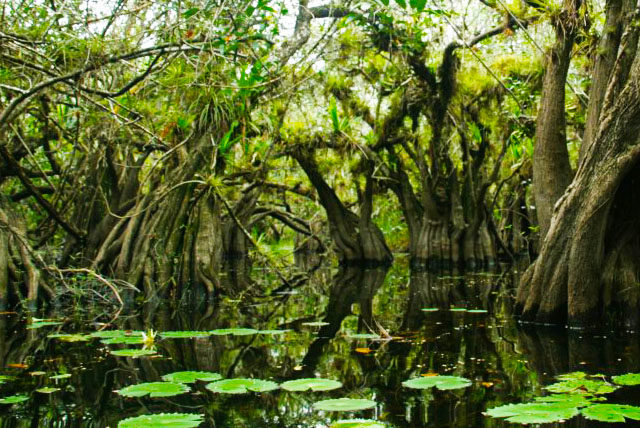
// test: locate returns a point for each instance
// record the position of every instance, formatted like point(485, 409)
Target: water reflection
point(506, 362)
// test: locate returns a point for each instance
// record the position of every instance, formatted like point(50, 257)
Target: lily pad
point(582, 386)
point(4, 379)
point(108, 334)
point(184, 334)
point(60, 376)
point(430, 309)
point(315, 323)
point(154, 389)
point(191, 377)
point(628, 379)
point(163, 420)
point(344, 404)
point(313, 384)
point(570, 400)
point(234, 331)
point(39, 324)
point(241, 386)
point(13, 399)
point(127, 340)
point(135, 353)
point(477, 311)
point(440, 382)
point(572, 376)
point(611, 412)
point(358, 423)
point(273, 331)
point(458, 309)
point(70, 337)
point(47, 390)
point(534, 413)
point(363, 336)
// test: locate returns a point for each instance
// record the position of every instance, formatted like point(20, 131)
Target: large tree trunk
point(551, 169)
point(588, 268)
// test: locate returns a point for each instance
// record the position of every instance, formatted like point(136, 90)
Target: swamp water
point(369, 330)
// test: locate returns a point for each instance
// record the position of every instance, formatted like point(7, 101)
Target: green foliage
point(358, 423)
point(4, 379)
point(108, 334)
point(440, 382)
point(191, 377)
point(163, 420)
point(134, 353)
point(344, 404)
point(14, 399)
point(313, 384)
point(241, 386)
point(70, 337)
point(611, 412)
point(154, 389)
point(627, 379)
point(47, 390)
point(582, 386)
point(128, 340)
point(534, 413)
point(234, 331)
point(363, 336)
point(184, 334)
point(39, 324)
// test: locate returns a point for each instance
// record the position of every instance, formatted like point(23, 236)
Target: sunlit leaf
point(627, 379)
point(477, 311)
point(582, 386)
point(534, 413)
point(570, 400)
point(39, 324)
point(430, 309)
point(163, 420)
point(4, 379)
point(313, 384)
point(315, 323)
point(190, 12)
point(274, 332)
point(154, 389)
point(440, 382)
point(572, 376)
point(13, 399)
point(70, 337)
point(358, 423)
point(47, 390)
point(60, 376)
point(127, 340)
point(234, 331)
point(344, 404)
point(458, 309)
point(611, 412)
point(364, 350)
point(135, 353)
point(183, 334)
point(108, 334)
point(363, 336)
point(191, 377)
point(241, 386)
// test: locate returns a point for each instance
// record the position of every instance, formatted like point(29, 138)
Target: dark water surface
point(505, 361)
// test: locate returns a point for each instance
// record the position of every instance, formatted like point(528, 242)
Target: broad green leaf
point(4, 379)
point(154, 389)
point(273, 331)
point(234, 331)
point(440, 382)
point(314, 384)
point(363, 336)
point(47, 390)
point(108, 334)
point(611, 412)
point(572, 376)
point(60, 376)
point(418, 5)
point(458, 309)
point(402, 3)
point(571, 400)
point(191, 377)
point(315, 323)
point(385, 2)
point(127, 340)
point(344, 404)
point(70, 337)
point(135, 353)
point(183, 334)
point(534, 413)
point(477, 311)
point(627, 379)
point(241, 386)
point(430, 309)
point(582, 386)
point(358, 423)
point(163, 420)
point(190, 12)
point(13, 399)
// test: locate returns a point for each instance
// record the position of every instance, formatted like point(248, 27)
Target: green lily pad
point(572, 376)
point(127, 340)
point(191, 377)
point(4, 379)
point(163, 420)
point(13, 399)
point(47, 390)
point(440, 382)
point(363, 336)
point(570, 400)
point(534, 413)
point(183, 334)
point(70, 337)
point(313, 384)
point(358, 423)
point(315, 324)
point(109, 334)
point(234, 331)
point(273, 331)
point(344, 404)
point(430, 309)
point(154, 389)
point(135, 353)
point(241, 386)
point(582, 386)
point(61, 376)
point(458, 309)
point(477, 311)
point(611, 412)
point(39, 324)
point(628, 379)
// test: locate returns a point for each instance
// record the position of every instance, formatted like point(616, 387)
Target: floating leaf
point(570, 400)
point(430, 309)
point(13, 399)
point(127, 340)
point(135, 353)
point(47, 390)
point(234, 331)
point(572, 376)
point(184, 334)
point(191, 377)
point(611, 412)
point(154, 389)
point(108, 334)
point(534, 413)
point(364, 350)
point(440, 382)
point(39, 324)
point(61, 376)
point(627, 379)
point(241, 386)
point(314, 384)
point(582, 386)
point(344, 404)
point(458, 309)
point(163, 420)
point(4, 379)
point(358, 423)
point(477, 311)
point(273, 331)
point(363, 336)
point(70, 337)
point(315, 323)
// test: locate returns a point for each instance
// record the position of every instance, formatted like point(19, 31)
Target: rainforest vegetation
point(154, 149)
